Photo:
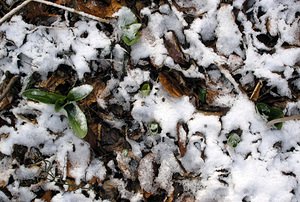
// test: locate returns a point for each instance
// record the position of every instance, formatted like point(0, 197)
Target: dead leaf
point(94, 7)
point(170, 198)
point(62, 80)
point(47, 196)
point(170, 84)
point(6, 97)
point(181, 134)
point(110, 190)
point(255, 94)
point(72, 186)
point(41, 14)
point(94, 180)
point(52, 83)
point(98, 88)
point(173, 48)
point(127, 163)
point(211, 96)
point(5, 103)
point(186, 198)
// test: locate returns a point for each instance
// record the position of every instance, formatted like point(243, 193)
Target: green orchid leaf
point(80, 92)
point(59, 104)
point(130, 42)
point(43, 96)
point(263, 108)
point(154, 128)
point(202, 95)
point(77, 120)
point(270, 113)
point(233, 140)
point(131, 34)
point(276, 113)
point(145, 89)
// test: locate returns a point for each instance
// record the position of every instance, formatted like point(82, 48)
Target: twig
point(230, 78)
point(280, 120)
point(8, 87)
point(14, 11)
point(255, 94)
point(71, 10)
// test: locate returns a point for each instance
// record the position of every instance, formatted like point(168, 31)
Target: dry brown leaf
point(94, 135)
point(5, 102)
point(6, 97)
point(52, 82)
point(186, 198)
point(98, 88)
point(170, 198)
point(72, 186)
point(170, 85)
point(255, 94)
point(47, 196)
point(39, 13)
point(181, 134)
point(94, 7)
point(211, 96)
point(3, 183)
point(95, 180)
point(172, 45)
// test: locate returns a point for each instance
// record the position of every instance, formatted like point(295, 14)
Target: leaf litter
point(174, 112)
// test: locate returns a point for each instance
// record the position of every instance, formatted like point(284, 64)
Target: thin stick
point(14, 11)
point(229, 77)
point(280, 120)
point(71, 10)
point(8, 87)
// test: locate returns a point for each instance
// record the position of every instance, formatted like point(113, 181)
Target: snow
point(70, 197)
point(228, 34)
point(165, 110)
point(43, 45)
point(264, 166)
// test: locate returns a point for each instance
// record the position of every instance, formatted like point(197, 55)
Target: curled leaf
point(145, 89)
point(43, 96)
point(171, 85)
point(80, 92)
point(77, 120)
point(154, 128)
point(233, 140)
point(131, 34)
point(173, 48)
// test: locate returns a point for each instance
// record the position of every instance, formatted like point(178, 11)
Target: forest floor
point(191, 101)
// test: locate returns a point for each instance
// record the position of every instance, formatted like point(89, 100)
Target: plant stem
point(280, 120)
point(71, 10)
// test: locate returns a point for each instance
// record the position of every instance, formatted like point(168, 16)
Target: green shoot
point(76, 117)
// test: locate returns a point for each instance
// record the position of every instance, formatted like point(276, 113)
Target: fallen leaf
point(94, 180)
point(62, 80)
point(6, 102)
point(39, 14)
point(94, 7)
point(47, 196)
point(170, 84)
point(181, 135)
point(98, 88)
point(173, 48)
point(211, 96)
point(255, 94)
